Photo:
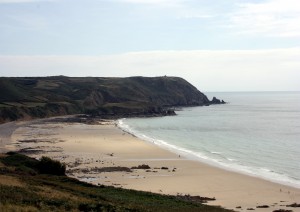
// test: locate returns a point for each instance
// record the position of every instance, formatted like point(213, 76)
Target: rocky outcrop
point(93, 100)
point(217, 101)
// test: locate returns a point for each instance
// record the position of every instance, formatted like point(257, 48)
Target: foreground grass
point(23, 188)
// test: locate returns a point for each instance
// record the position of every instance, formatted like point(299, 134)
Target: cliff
point(39, 97)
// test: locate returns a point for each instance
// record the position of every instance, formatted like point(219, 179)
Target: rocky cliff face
point(33, 97)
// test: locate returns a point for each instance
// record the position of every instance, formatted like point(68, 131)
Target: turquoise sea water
point(256, 133)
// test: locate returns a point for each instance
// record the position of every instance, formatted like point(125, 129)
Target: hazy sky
point(217, 45)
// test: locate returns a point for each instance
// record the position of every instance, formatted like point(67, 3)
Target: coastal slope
point(23, 187)
point(39, 97)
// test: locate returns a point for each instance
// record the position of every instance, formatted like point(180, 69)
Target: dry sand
point(88, 148)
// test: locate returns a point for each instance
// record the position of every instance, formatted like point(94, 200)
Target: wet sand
point(104, 154)
point(6, 130)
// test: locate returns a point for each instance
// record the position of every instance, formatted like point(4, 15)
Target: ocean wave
point(217, 153)
point(219, 160)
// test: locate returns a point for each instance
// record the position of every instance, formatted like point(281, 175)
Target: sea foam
point(256, 134)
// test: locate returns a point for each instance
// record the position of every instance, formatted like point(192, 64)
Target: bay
point(256, 133)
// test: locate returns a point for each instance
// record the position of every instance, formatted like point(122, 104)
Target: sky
point(217, 45)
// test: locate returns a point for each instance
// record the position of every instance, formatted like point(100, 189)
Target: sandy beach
point(101, 153)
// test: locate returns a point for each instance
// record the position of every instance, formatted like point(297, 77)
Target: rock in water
point(217, 101)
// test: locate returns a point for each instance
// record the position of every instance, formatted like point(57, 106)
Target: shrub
point(48, 166)
point(19, 160)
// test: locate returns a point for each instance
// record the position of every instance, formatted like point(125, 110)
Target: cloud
point(180, 9)
point(161, 2)
point(21, 1)
point(275, 18)
point(208, 70)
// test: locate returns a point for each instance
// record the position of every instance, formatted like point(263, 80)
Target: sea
point(255, 133)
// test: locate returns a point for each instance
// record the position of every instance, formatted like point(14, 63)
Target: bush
point(95, 207)
point(48, 166)
point(18, 160)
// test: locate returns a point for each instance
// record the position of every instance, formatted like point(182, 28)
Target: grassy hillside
point(31, 97)
point(23, 187)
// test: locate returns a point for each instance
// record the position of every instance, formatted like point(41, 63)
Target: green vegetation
point(39, 97)
point(23, 188)
point(43, 166)
point(48, 166)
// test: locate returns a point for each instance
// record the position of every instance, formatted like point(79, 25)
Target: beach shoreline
point(89, 148)
point(195, 157)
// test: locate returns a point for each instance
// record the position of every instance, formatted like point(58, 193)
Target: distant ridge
point(39, 97)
